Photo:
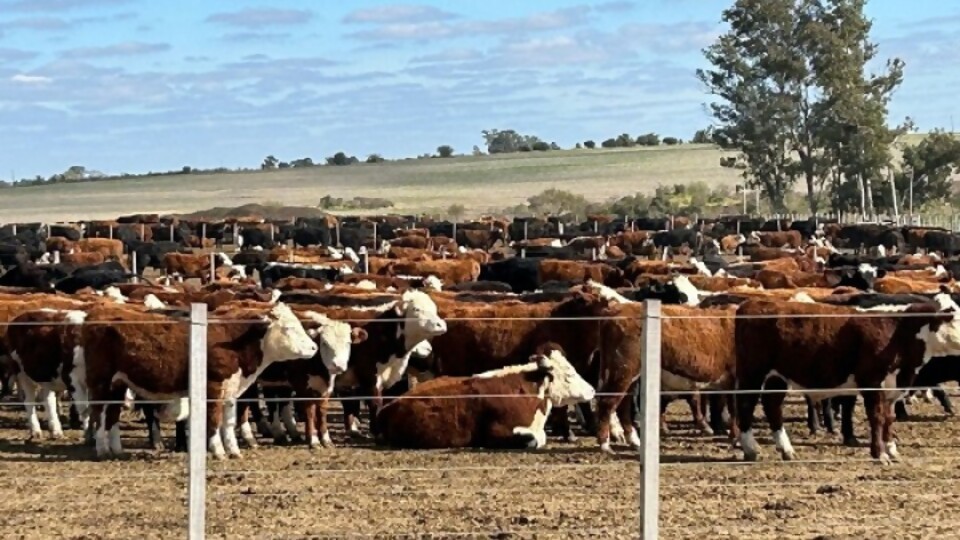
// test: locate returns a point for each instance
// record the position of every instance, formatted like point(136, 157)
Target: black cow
point(520, 274)
point(98, 277)
point(481, 286)
point(150, 254)
point(254, 237)
point(275, 271)
point(65, 231)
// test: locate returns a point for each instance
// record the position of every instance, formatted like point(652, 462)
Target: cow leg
point(873, 402)
point(29, 390)
point(745, 405)
point(941, 395)
point(310, 423)
point(373, 407)
point(847, 405)
point(154, 435)
point(826, 409)
point(888, 437)
point(587, 418)
point(214, 418)
point(243, 418)
point(75, 422)
point(773, 409)
point(289, 422)
point(813, 419)
point(351, 418)
point(51, 406)
point(626, 417)
point(900, 409)
point(228, 428)
point(699, 422)
point(560, 424)
point(180, 441)
point(271, 397)
point(664, 404)
point(108, 431)
point(716, 405)
point(323, 427)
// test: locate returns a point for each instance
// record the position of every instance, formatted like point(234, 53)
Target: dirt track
point(55, 489)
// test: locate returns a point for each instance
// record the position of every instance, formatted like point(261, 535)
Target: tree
point(650, 139)
point(540, 146)
point(502, 142)
point(269, 162)
point(579, 146)
point(625, 140)
point(671, 141)
point(703, 136)
point(556, 202)
point(341, 158)
point(445, 151)
point(375, 158)
point(302, 162)
point(456, 211)
point(609, 143)
point(477, 151)
point(186, 169)
point(789, 82)
point(75, 172)
point(590, 144)
point(929, 166)
point(283, 165)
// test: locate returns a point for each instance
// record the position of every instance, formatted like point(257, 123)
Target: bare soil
point(57, 489)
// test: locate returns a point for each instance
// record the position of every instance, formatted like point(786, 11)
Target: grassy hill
point(480, 183)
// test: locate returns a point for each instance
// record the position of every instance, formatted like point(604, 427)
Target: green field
point(480, 183)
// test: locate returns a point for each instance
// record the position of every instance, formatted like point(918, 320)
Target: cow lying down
point(504, 408)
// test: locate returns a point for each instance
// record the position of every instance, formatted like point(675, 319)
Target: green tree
point(540, 146)
point(789, 81)
point(650, 139)
point(590, 144)
point(445, 151)
point(375, 158)
point(671, 141)
point(609, 143)
point(624, 140)
point(703, 136)
point(269, 162)
point(302, 162)
point(929, 166)
point(456, 212)
point(555, 201)
point(341, 158)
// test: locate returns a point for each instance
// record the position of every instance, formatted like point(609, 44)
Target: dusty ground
point(55, 489)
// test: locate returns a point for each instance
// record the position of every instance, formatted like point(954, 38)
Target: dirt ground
point(55, 489)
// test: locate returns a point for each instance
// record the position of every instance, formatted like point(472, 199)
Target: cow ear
point(358, 335)
point(833, 279)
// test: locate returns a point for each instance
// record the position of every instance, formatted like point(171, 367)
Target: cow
point(814, 346)
point(330, 271)
point(580, 272)
point(111, 250)
point(313, 378)
point(505, 408)
point(396, 326)
point(150, 358)
point(450, 272)
point(783, 239)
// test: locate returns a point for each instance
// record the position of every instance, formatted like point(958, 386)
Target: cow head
point(421, 318)
point(334, 339)
point(565, 386)
point(285, 338)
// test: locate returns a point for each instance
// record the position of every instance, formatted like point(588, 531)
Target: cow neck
point(244, 339)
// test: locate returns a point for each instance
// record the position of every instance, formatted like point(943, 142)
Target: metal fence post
point(213, 266)
point(650, 412)
point(198, 421)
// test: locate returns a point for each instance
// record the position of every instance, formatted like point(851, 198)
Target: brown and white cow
point(502, 408)
point(783, 345)
point(147, 353)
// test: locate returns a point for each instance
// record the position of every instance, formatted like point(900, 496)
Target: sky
point(135, 86)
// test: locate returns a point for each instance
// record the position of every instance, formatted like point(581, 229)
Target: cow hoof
point(236, 455)
point(789, 456)
point(296, 440)
point(706, 430)
point(884, 460)
point(751, 456)
point(56, 435)
point(606, 449)
point(570, 439)
point(220, 457)
point(180, 449)
point(280, 441)
point(852, 442)
point(36, 435)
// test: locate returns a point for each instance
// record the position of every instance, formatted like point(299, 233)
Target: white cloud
point(398, 13)
point(30, 79)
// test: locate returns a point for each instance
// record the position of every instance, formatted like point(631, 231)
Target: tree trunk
point(869, 189)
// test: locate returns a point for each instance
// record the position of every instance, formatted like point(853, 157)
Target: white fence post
point(213, 266)
point(198, 421)
point(650, 412)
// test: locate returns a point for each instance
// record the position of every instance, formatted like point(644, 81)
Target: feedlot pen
point(56, 489)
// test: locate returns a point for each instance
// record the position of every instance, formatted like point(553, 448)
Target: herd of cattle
point(480, 334)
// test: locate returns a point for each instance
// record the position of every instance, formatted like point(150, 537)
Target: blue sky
point(131, 85)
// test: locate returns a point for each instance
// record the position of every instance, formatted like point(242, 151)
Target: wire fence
point(564, 490)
